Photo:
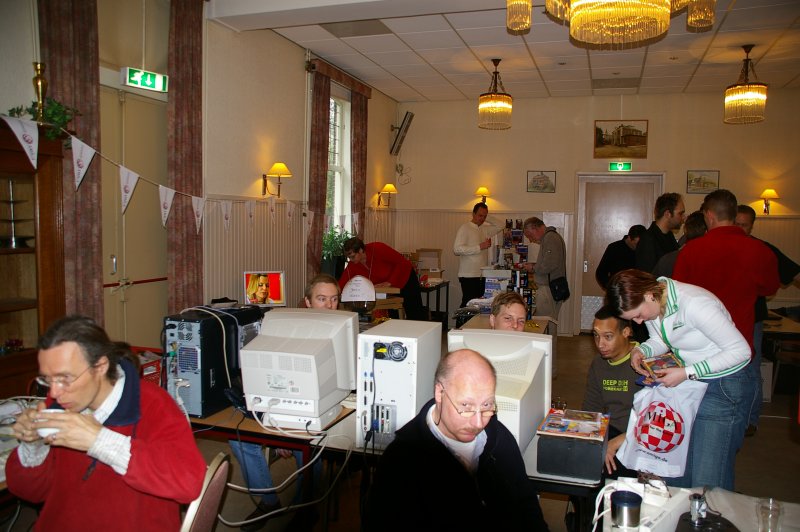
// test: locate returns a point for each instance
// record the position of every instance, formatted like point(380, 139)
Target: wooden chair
point(202, 512)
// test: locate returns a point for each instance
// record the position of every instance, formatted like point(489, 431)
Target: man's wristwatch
point(691, 376)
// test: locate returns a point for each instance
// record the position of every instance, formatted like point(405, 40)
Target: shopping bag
point(659, 428)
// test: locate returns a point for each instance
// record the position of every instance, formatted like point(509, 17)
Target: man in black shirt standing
point(619, 255)
point(670, 213)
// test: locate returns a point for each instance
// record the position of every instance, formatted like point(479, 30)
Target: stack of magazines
point(574, 424)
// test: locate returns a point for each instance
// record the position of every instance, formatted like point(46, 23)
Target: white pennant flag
point(27, 133)
point(290, 206)
point(82, 155)
point(127, 184)
point(342, 218)
point(197, 206)
point(271, 208)
point(250, 208)
point(226, 213)
point(356, 224)
point(165, 197)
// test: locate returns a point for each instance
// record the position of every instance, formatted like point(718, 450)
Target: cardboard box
point(429, 259)
point(432, 274)
point(766, 381)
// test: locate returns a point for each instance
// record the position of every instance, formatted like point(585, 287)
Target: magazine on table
point(574, 424)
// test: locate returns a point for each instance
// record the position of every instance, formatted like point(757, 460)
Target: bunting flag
point(27, 133)
point(82, 156)
point(342, 220)
point(226, 213)
point(356, 225)
point(290, 213)
point(328, 222)
point(250, 209)
point(197, 206)
point(127, 184)
point(271, 208)
point(165, 196)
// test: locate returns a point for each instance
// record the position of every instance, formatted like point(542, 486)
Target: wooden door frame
point(656, 178)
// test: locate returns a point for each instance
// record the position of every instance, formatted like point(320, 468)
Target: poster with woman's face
point(265, 288)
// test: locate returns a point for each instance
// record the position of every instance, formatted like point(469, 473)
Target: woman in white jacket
point(694, 324)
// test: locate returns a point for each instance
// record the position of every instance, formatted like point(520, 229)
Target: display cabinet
point(31, 255)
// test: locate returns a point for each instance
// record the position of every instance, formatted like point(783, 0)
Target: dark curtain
point(358, 149)
point(184, 159)
point(69, 50)
point(318, 170)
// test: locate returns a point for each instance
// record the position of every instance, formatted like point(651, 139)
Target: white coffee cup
point(45, 432)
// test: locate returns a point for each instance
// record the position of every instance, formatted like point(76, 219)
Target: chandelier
point(745, 101)
point(618, 23)
point(494, 106)
point(518, 16)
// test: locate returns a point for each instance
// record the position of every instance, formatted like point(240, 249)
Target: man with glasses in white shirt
point(123, 457)
point(454, 466)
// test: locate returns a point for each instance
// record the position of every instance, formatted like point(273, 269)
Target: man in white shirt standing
point(472, 241)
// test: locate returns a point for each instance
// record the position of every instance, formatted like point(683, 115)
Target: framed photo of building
point(701, 181)
point(541, 181)
point(620, 138)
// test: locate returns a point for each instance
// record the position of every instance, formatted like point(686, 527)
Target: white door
point(608, 205)
point(134, 134)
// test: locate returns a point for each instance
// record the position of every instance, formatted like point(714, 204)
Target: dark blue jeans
point(718, 432)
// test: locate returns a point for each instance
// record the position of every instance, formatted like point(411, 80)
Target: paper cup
point(45, 432)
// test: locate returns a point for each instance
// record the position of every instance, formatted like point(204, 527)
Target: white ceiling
point(437, 50)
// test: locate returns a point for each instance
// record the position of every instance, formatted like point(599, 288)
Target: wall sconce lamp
point(278, 170)
point(483, 193)
point(387, 189)
point(768, 194)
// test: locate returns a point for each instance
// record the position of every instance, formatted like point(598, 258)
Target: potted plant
point(55, 114)
point(332, 255)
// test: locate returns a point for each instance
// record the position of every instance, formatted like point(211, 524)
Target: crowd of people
point(116, 433)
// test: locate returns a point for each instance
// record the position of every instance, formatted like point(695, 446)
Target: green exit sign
point(142, 79)
point(619, 167)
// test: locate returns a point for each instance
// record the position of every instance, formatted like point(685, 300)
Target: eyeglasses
point(470, 413)
point(65, 381)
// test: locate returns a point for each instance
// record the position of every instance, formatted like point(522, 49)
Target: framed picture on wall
point(620, 138)
point(701, 181)
point(541, 181)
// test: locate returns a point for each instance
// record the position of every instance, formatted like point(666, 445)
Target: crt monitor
point(264, 288)
point(523, 362)
point(301, 364)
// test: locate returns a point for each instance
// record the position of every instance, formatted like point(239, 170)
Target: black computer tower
point(196, 361)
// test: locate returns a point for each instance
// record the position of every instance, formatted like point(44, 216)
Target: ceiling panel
point(440, 49)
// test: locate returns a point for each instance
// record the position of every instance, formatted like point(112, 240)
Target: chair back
point(202, 512)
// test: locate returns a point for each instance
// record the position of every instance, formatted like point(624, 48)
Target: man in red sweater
point(384, 267)
point(123, 457)
point(734, 267)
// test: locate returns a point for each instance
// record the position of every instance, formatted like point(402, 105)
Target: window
point(337, 201)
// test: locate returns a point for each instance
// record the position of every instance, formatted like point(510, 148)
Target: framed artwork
point(541, 181)
point(701, 181)
point(620, 138)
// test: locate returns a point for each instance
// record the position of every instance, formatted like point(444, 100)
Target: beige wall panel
point(17, 20)
point(450, 156)
point(255, 111)
point(121, 25)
